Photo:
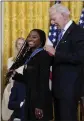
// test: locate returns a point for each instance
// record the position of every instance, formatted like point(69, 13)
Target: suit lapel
point(67, 33)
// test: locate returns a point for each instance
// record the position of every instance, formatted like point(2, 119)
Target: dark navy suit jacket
point(68, 66)
point(16, 97)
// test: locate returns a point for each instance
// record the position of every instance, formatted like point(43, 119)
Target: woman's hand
point(9, 73)
point(38, 113)
point(14, 72)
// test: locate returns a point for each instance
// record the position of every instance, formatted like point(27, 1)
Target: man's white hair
point(59, 8)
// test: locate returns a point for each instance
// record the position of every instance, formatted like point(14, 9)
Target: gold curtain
point(75, 8)
point(21, 17)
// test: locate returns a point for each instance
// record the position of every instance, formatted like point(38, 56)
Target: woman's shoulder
point(44, 53)
point(44, 57)
point(10, 59)
point(10, 62)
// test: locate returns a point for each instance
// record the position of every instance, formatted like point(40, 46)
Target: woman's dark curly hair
point(42, 36)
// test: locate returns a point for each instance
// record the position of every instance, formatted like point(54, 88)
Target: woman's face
point(33, 39)
point(19, 44)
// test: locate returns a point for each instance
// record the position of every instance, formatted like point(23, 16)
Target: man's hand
point(50, 49)
point(38, 113)
point(22, 103)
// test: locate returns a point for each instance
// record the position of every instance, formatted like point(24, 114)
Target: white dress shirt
point(66, 27)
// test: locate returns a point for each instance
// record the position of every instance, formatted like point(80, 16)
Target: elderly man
point(68, 64)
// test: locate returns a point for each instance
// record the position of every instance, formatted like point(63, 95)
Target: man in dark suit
point(68, 64)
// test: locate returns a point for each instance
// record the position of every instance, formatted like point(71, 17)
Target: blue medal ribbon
point(33, 54)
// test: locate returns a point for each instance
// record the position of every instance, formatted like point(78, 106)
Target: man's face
point(57, 19)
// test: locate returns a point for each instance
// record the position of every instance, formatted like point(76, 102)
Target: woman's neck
point(33, 49)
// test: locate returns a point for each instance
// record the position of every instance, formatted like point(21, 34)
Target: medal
point(25, 66)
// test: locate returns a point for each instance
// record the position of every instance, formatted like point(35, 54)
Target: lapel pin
point(63, 41)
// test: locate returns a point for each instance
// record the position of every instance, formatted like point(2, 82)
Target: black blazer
point(36, 78)
point(68, 66)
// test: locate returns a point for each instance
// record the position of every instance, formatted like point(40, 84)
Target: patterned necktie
point(60, 35)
